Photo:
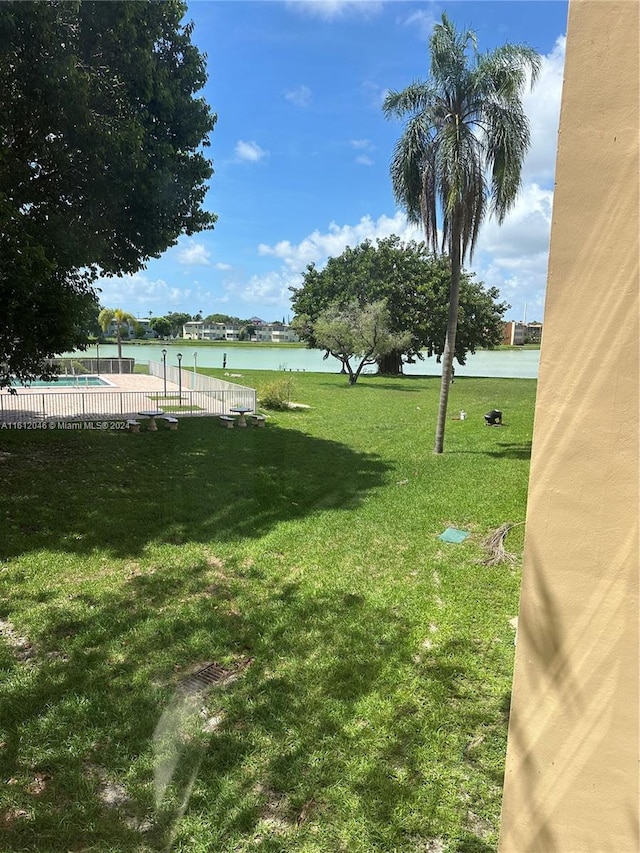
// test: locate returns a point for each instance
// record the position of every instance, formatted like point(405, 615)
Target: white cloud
point(271, 289)
point(374, 93)
point(249, 151)
point(221, 266)
point(421, 22)
point(542, 106)
point(194, 254)
point(331, 10)
point(139, 294)
point(361, 144)
point(300, 97)
point(318, 246)
point(526, 228)
point(513, 256)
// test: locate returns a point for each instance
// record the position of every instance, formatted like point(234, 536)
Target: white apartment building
point(199, 330)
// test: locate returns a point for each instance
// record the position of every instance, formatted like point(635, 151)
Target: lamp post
point(195, 369)
point(164, 370)
point(98, 356)
point(180, 377)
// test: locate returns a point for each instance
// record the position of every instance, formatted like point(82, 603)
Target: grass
point(372, 716)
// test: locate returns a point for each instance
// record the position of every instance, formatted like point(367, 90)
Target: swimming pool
point(85, 381)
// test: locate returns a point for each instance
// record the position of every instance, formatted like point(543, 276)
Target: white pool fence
point(196, 395)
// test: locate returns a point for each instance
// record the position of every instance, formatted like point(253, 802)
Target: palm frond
point(448, 49)
point(407, 166)
point(415, 98)
point(462, 184)
point(507, 138)
point(509, 67)
point(494, 543)
point(429, 199)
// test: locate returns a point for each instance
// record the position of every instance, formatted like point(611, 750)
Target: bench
point(172, 422)
point(258, 420)
point(226, 421)
point(133, 426)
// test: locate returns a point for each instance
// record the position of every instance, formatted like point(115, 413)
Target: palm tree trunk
point(450, 341)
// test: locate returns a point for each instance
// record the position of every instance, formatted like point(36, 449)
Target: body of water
point(513, 364)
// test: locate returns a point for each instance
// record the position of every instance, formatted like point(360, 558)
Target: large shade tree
point(101, 160)
point(461, 153)
point(414, 285)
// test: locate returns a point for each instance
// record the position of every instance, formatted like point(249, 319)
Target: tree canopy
point(161, 326)
point(101, 160)
point(461, 153)
point(361, 332)
point(176, 320)
point(222, 318)
point(414, 285)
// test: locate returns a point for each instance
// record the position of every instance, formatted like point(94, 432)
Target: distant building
point(129, 329)
point(281, 333)
point(515, 334)
point(198, 330)
point(145, 322)
point(534, 333)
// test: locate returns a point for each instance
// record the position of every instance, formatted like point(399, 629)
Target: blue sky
point(301, 149)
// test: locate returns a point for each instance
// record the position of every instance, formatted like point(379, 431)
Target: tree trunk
point(450, 341)
point(390, 364)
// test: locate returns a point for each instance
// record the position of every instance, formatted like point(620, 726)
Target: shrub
point(277, 394)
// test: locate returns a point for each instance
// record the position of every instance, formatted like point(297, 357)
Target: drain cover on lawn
point(210, 675)
point(452, 534)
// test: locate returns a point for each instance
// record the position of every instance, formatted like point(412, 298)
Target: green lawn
point(372, 714)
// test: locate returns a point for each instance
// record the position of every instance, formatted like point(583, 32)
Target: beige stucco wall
point(572, 778)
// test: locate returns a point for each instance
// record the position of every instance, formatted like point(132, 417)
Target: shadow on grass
point(384, 383)
point(77, 491)
point(511, 450)
point(502, 450)
point(301, 734)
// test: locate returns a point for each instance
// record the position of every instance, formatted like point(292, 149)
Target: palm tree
point(108, 315)
point(461, 153)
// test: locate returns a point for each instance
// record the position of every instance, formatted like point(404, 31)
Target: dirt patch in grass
point(21, 647)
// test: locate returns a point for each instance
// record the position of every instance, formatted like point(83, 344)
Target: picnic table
point(152, 414)
point(242, 411)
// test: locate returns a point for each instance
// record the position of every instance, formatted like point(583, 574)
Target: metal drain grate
point(210, 675)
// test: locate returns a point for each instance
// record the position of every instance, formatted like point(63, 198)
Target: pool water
point(70, 382)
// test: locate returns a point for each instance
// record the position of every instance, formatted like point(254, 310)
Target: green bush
point(276, 395)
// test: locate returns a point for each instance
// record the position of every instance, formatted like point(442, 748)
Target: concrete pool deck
point(124, 399)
